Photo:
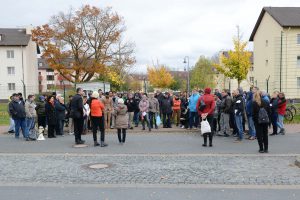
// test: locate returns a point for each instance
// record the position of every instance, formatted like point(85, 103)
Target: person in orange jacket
point(176, 109)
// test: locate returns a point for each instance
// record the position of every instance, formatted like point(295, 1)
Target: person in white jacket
point(86, 114)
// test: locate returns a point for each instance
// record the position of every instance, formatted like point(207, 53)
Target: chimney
point(1, 37)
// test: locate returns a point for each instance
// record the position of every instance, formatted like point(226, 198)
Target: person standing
point(238, 107)
point(166, 108)
point(176, 110)
point(137, 98)
point(30, 114)
point(51, 116)
point(144, 111)
point(261, 110)
point(86, 115)
point(249, 112)
point(17, 112)
point(108, 105)
point(194, 117)
point(153, 110)
point(274, 112)
point(281, 112)
point(121, 120)
point(207, 112)
point(60, 111)
point(225, 113)
point(115, 99)
point(11, 129)
point(131, 107)
point(97, 109)
point(71, 123)
point(41, 112)
point(77, 115)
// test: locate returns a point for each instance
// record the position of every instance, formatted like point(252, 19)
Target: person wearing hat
point(207, 112)
point(41, 112)
point(121, 120)
point(96, 111)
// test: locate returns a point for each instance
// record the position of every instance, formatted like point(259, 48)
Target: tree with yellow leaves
point(237, 64)
point(160, 77)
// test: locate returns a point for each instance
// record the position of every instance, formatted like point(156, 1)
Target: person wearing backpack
point(206, 107)
point(261, 110)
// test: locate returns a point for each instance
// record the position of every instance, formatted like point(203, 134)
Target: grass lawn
point(4, 117)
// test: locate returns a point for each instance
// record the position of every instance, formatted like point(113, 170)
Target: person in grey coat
point(153, 110)
point(121, 120)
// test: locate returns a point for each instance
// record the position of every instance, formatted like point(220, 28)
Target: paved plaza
point(158, 165)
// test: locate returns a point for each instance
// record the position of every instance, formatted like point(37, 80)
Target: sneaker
point(72, 133)
point(238, 140)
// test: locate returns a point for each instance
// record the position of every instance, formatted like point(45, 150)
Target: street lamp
point(187, 60)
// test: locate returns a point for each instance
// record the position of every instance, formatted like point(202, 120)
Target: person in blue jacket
point(194, 117)
point(249, 111)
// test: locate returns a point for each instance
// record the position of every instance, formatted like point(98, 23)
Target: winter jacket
point(166, 105)
point(226, 104)
point(115, 101)
point(131, 105)
point(210, 104)
point(77, 107)
point(96, 107)
point(249, 104)
point(184, 103)
point(17, 110)
point(40, 108)
point(193, 102)
point(281, 106)
point(30, 109)
point(51, 114)
point(153, 105)
point(60, 111)
point(217, 110)
point(144, 105)
point(176, 104)
point(266, 99)
point(256, 109)
point(121, 116)
point(274, 105)
point(238, 105)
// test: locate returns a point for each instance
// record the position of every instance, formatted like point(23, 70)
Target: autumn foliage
point(85, 43)
point(160, 77)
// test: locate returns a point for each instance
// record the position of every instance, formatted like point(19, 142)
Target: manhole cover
point(80, 145)
point(98, 166)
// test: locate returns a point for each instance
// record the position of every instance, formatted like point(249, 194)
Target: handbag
point(205, 127)
point(158, 120)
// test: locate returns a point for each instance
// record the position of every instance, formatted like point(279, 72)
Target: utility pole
point(280, 69)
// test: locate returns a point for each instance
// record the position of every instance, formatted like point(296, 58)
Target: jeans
point(194, 119)
point(274, 116)
point(152, 118)
point(11, 125)
point(239, 125)
point(29, 125)
point(21, 123)
point(60, 129)
point(167, 120)
point(251, 126)
point(224, 121)
point(136, 118)
point(280, 121)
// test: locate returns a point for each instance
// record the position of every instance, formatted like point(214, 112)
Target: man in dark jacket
point(238, 108)
point(225, 113)
point(137, 98)
point(17, 111)
point(77, 115)
point(41, 112)
point(131, 107)
point(60, 109)
point(166, 109)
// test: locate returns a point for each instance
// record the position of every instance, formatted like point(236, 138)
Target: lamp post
point(187, 60)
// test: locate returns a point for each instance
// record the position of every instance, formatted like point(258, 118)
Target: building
point(276, 39)
point(223, 82)
point(18, 62)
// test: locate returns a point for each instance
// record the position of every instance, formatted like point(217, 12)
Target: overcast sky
point(163, 30)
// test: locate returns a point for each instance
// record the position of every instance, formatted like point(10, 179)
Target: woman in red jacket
point(207, 112)
point(281, 112)
point(97, 108)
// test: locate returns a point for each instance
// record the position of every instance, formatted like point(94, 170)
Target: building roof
point(284, 16)
point(14, 37)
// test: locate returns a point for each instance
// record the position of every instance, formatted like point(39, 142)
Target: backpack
point(263, 117)
point(202, 105)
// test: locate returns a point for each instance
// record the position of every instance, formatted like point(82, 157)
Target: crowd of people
point(98, 111)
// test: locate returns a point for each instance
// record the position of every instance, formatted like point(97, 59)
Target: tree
point(160, 77)
point(236, 65)
point(176, 85)
point(84, 43)
point(135, 85)
point(202, 75)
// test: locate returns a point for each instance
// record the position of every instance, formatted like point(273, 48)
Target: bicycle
point(289, 116)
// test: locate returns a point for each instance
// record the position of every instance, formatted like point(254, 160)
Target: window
point(40, 82)
point(11, 86)
point(298, 61)
point(40, 73)
point(298, 82)
point(298, 38)
point(10, 54)
point(50, 78)
point(49, 70)
point(267, 62)
point(11, 70)
point(267, 43)
point(252, 79)
point(251, 68)
point(40, 64)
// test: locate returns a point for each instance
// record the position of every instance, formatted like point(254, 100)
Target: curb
point(297, 161)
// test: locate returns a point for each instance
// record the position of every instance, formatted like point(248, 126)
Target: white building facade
point(18, 63)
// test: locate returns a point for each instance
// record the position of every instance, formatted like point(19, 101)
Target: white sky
point(163, 30)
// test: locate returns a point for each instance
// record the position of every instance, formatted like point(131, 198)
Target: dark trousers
point(60, 127)
point(42, 121)
point(167, 120)
point(136, 117)
point(78, 128)
point(51, 129)
point(262, 135)
point(274, 119)
point(194, 119)
point(98, 122)
point(209, 135)
point(152, 118)
point(122, 137)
